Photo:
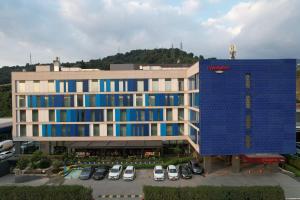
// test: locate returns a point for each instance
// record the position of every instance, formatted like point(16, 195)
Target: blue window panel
point(125, 101)
point(117, 130)
point(176, 100)
point(87, 100)
point(49, 127)
point(146, 114)
point(157, 99)
point(44, 130)
point(86, 130)
point(146, 99)
point(107, 85)
point(58, 130)
point(98, 101)
point(116, 96)
point(117, 114)
point(175, 129)
point(42, 99)
point(117, 85)
point(97, 115)
point(87, 116)
point(57, 115)
point(102, 86)
point(163, 129)
point(28, 101)
point(85, 85)
point(72, 86)
point(73, 131)
point(72, 100)
point(108, 99)
point(69, 114)
point(146, 85)
point(155, 114)
point(57, 83)
point(128, 130)
point(131, 85)
point(102, 100)
point(146, 130)
point(65, 86)
point(34, 101)
point(128, 115)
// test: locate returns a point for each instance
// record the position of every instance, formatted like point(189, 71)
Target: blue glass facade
point(247, 106)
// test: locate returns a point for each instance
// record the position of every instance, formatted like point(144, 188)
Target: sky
point(77, 30)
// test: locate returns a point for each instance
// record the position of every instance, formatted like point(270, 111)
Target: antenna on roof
point(181, 45)
point(30, 59)
point(232, 51)
point(172, 46)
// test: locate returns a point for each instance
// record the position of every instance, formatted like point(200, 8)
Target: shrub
point(63, 192)
point(36, 156)
point(214, 192)
point(44, 163)
point(22, 163)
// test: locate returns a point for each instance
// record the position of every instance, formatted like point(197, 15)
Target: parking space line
point(120, 196)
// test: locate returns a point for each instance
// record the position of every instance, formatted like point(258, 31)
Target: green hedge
point(214, 193)
point(74, 192)
point(294, 162)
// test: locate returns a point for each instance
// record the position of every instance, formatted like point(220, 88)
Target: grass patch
point(292, 169)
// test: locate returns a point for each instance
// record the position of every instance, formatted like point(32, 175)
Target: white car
point(158, 173)
point(172, 172)
point(115, 172)
point(5, 154)
point(129, 173)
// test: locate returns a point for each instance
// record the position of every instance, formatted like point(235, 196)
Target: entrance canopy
point(115, 144)
point(263, 158)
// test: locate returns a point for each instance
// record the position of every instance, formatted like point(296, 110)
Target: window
point(23, 130)
point(181, 129)
point(94, 86)
point(171, 97)
point(21, 86)
point(154, 84)
point(63, 115)
point(80, 130)
point(121, 86)
point(36, 86)
point(22, 116)
point(139, 100)
point(109, 115)
point(248, 102)
point(112, 85)
point(93, 115)
point(22, 101)
point(38, 101)
point(92, 100)
point(121, 100)
point(151, 115)
point(46, 98)
point(67, 101)
point(53, 131)
point(79, 100)
point(169, 129)
point(123, 115)
point(35, 115)
point(180, 114)
point(153, 129)
point(248, 121)
point(79, 86)
point(110, 130)
point(35, 130)
point(248, 81)
point(142, 115)
point(51, 86)
point(112, 100)
point(181, 84)
point(248, 141)
point(51, 115)
point(180, 99)
point(122, 130)
point(169, 114)
point(140, 85)
point(151, 100)
point(96, 130)
point(168, 85)
point(63, 130)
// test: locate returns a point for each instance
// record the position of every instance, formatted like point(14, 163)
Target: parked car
point(86, 173)
point(158, 173)
point(185, 171)
point(115, 172)
point(5, 154)
point(172, 172)
point(100, 172)
point(129, 173)
point(195, 167)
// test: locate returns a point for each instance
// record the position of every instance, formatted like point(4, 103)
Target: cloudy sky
point(88, 29)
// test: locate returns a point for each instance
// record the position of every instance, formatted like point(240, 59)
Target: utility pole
point(232, 51)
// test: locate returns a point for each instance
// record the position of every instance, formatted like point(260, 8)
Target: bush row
point(214, 193)
point(294, 162)
point(74, 192)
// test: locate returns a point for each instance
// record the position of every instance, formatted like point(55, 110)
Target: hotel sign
point(219, 69)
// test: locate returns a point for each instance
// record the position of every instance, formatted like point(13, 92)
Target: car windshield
point(128, 171)
point(100, 170)
point(186, 169)
point(173, 171)
point(114, 170)
point(158, 171)
point(86, 170)
point(196, 165)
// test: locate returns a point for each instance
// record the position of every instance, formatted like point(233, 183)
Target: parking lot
point(145, 177)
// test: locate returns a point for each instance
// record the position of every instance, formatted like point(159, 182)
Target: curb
point(120, 196)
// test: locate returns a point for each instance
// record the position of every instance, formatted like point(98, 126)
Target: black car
point(86, 173)
point(185, 171)
point(195, 167)
point(100, 172)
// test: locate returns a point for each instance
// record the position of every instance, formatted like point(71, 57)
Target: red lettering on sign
point(218, 68)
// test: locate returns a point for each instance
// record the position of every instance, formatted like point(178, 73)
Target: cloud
point(78, 29)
